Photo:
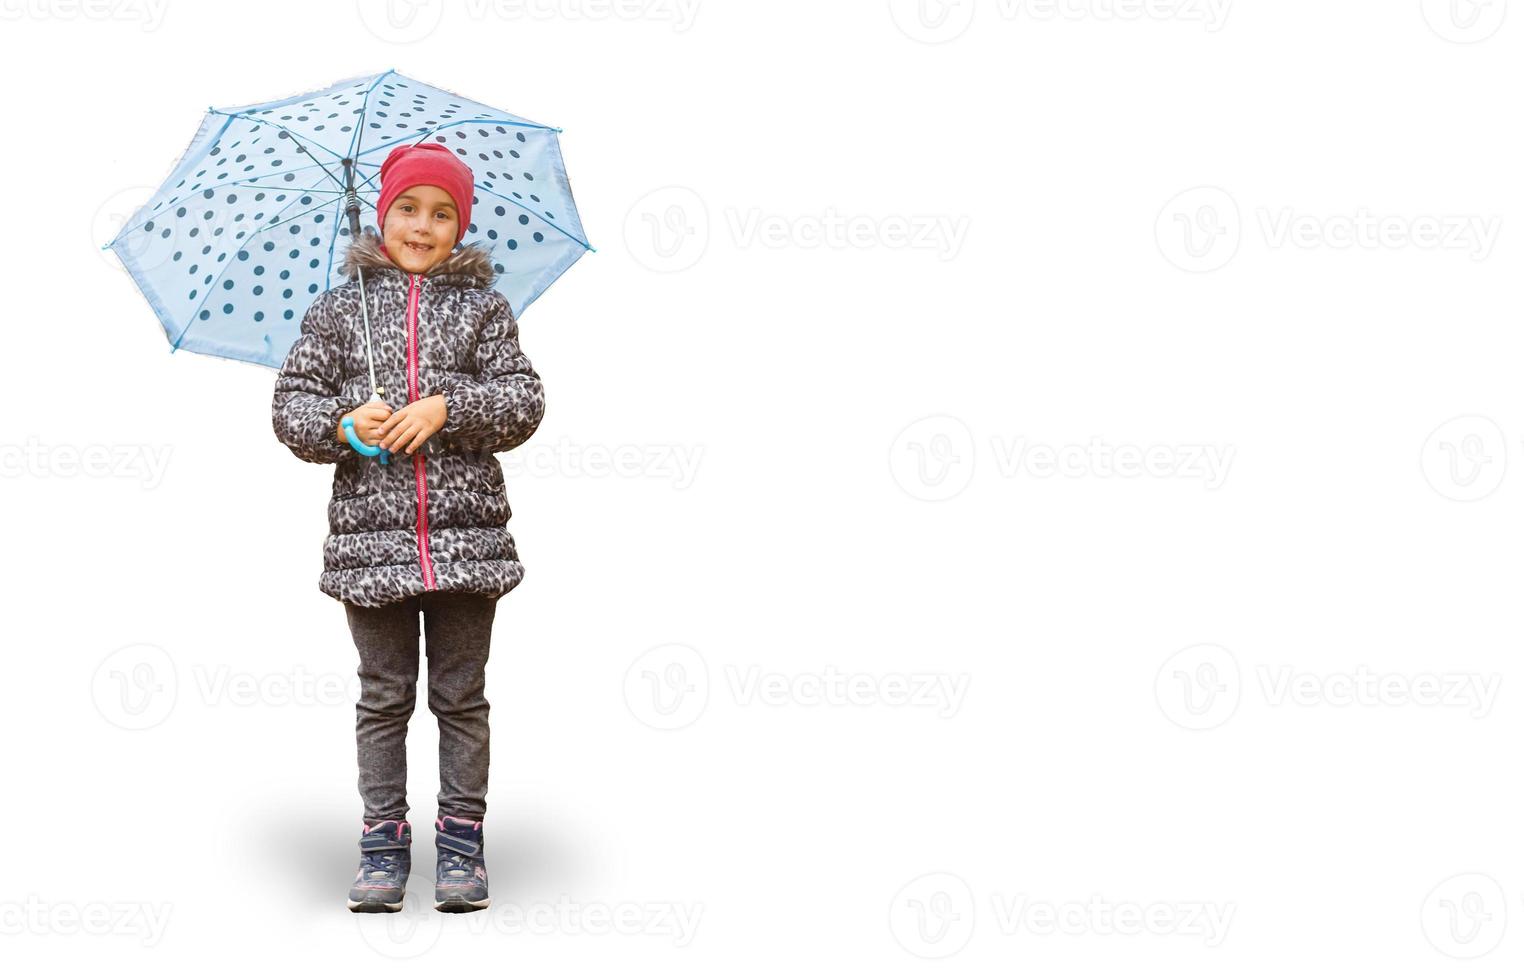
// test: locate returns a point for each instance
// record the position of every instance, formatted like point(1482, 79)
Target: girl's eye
point(441, 216)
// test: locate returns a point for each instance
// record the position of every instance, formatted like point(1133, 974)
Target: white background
point(1246, 720)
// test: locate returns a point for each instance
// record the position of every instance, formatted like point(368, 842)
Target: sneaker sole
point(461, 905)
point(373, 906)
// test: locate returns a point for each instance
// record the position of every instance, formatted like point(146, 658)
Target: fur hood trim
point(470, 265)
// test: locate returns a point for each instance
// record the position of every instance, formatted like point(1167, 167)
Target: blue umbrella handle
point(362, 448)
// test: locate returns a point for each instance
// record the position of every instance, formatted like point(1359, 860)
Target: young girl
point(425, 532)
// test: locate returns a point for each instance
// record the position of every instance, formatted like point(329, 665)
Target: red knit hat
point(426, 163)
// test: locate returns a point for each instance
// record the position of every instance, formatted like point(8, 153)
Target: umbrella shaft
point(352, 209)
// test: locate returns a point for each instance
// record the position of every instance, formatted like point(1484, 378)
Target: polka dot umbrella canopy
point(244, 233)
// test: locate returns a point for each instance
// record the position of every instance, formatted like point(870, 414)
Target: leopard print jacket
point(434, 521)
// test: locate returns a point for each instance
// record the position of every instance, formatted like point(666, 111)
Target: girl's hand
point(368, 419)
point(411, 425)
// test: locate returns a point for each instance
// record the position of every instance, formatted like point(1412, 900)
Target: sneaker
point(460, 877)
point(385, 860)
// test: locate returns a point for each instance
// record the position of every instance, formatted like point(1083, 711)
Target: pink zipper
point(424, 561)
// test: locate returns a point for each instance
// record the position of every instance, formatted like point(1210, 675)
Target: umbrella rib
point(487, 190)
point(202, 190)
point(234, 254)
point(515, 203)
point(304, 190)
point(521, 206)
point(272, 224)
point(455, 122)
point(303, 148)
point(518, 204)
point(229, 183)
point(300, 142)
point(354, 141)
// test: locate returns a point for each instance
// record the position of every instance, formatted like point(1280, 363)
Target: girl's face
point(420, 228)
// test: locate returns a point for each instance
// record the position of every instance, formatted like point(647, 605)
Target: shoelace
point(456, 864)
point(389, 862)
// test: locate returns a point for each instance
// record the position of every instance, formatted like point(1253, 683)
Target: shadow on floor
point(528, 859)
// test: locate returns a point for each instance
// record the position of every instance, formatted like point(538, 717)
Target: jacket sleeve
point(502, 406)
point(306, 409)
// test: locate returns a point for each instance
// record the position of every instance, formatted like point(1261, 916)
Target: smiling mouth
point(420, 248)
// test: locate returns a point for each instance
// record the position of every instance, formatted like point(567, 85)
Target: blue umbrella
point(241, 237)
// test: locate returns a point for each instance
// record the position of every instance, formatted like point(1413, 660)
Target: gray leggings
point(458, 631)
